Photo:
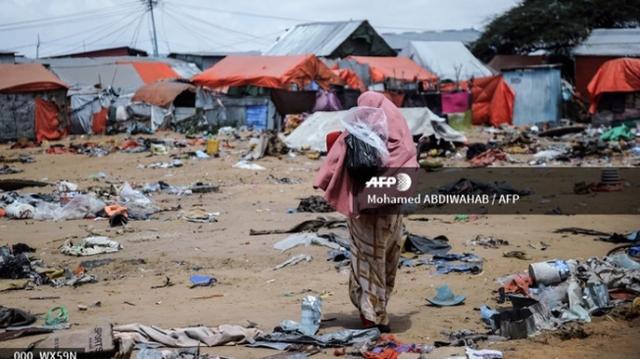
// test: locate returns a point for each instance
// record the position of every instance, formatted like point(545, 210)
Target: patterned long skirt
point(375, 252)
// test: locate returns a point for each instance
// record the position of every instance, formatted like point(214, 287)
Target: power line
point(88, 16)
point(133, 17)
point(250, 14)
point(92, 31)
point(136, 32)
point(197, 19)
point(243, 13)
point(191, 31)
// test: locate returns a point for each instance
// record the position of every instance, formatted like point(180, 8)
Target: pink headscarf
point(332, 176)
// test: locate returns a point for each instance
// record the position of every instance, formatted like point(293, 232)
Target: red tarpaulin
point(492, 101)
point(619, 75)
point(28, 78)
point(350, 78)
point(151, 72)
point(397, 68)
point(267, 71)
point(46, 121)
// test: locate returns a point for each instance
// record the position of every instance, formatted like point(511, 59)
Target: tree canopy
point(552, 25)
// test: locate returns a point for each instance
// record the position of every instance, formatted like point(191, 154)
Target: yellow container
point(213, 147)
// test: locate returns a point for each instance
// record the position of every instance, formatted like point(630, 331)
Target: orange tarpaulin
point(619, 75)
point(151, 72)
point(492, 101)
point(46, 121)
point(161, 93)
point(350, 78)
point(28, 78)
point(99, 121)
point(398, 68)
point(267, 71)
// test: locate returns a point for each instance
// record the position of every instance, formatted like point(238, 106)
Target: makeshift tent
point(16, 78)
point(619, 75)
point(335, 39)
point(267, 71)
point(421, 121)
point(89, 109)
point(164, 93)
point(449, 60)
point(32, 103)
point(492, 101)
point(396, 68)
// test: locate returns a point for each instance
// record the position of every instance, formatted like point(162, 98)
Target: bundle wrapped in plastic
point(366, 142)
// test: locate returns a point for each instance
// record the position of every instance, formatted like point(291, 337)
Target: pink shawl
point(332, 176)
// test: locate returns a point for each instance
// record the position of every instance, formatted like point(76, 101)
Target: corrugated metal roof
point(318, 38)
point(610, 42)
point(400, 41)
point(446, 58)
point(117, 72)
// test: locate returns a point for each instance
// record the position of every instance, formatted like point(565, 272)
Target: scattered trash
point(202, 280)
point(91, 246)
point(7, 170)
point(310, 320)
point(424, 245)
point(293, 261)
point(66, 186)
point(487, 241)
point(248, 166)
point(311, 225)
point(200, 187)
point(186, 337)
point(314, 204)
point(516, 254)
point(56, 316)
point(165, 284)
point(199, 215)
point(306, 239)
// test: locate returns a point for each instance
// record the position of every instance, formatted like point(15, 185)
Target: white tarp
point(420, 120)
point(449, 60)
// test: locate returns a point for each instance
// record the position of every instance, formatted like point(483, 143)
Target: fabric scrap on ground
point(311, 225)
point(131, 334)
point(91, 246)
point(338, 338)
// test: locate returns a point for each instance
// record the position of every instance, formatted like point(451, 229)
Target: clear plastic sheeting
point(369, 125)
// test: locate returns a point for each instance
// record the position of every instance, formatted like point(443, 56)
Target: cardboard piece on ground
point(90, 340)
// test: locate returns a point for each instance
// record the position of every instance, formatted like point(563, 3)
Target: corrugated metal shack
point(538, 93)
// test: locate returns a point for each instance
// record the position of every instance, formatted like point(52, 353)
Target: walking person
point(375, 238)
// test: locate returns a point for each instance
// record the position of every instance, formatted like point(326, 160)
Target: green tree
point(552, 25)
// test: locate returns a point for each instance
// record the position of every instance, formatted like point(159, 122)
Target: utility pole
point(151, 3)
point(38, 47)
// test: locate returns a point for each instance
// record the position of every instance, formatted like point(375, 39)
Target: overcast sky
point(237, 25)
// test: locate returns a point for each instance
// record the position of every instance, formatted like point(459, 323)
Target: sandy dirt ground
point(250, 290)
